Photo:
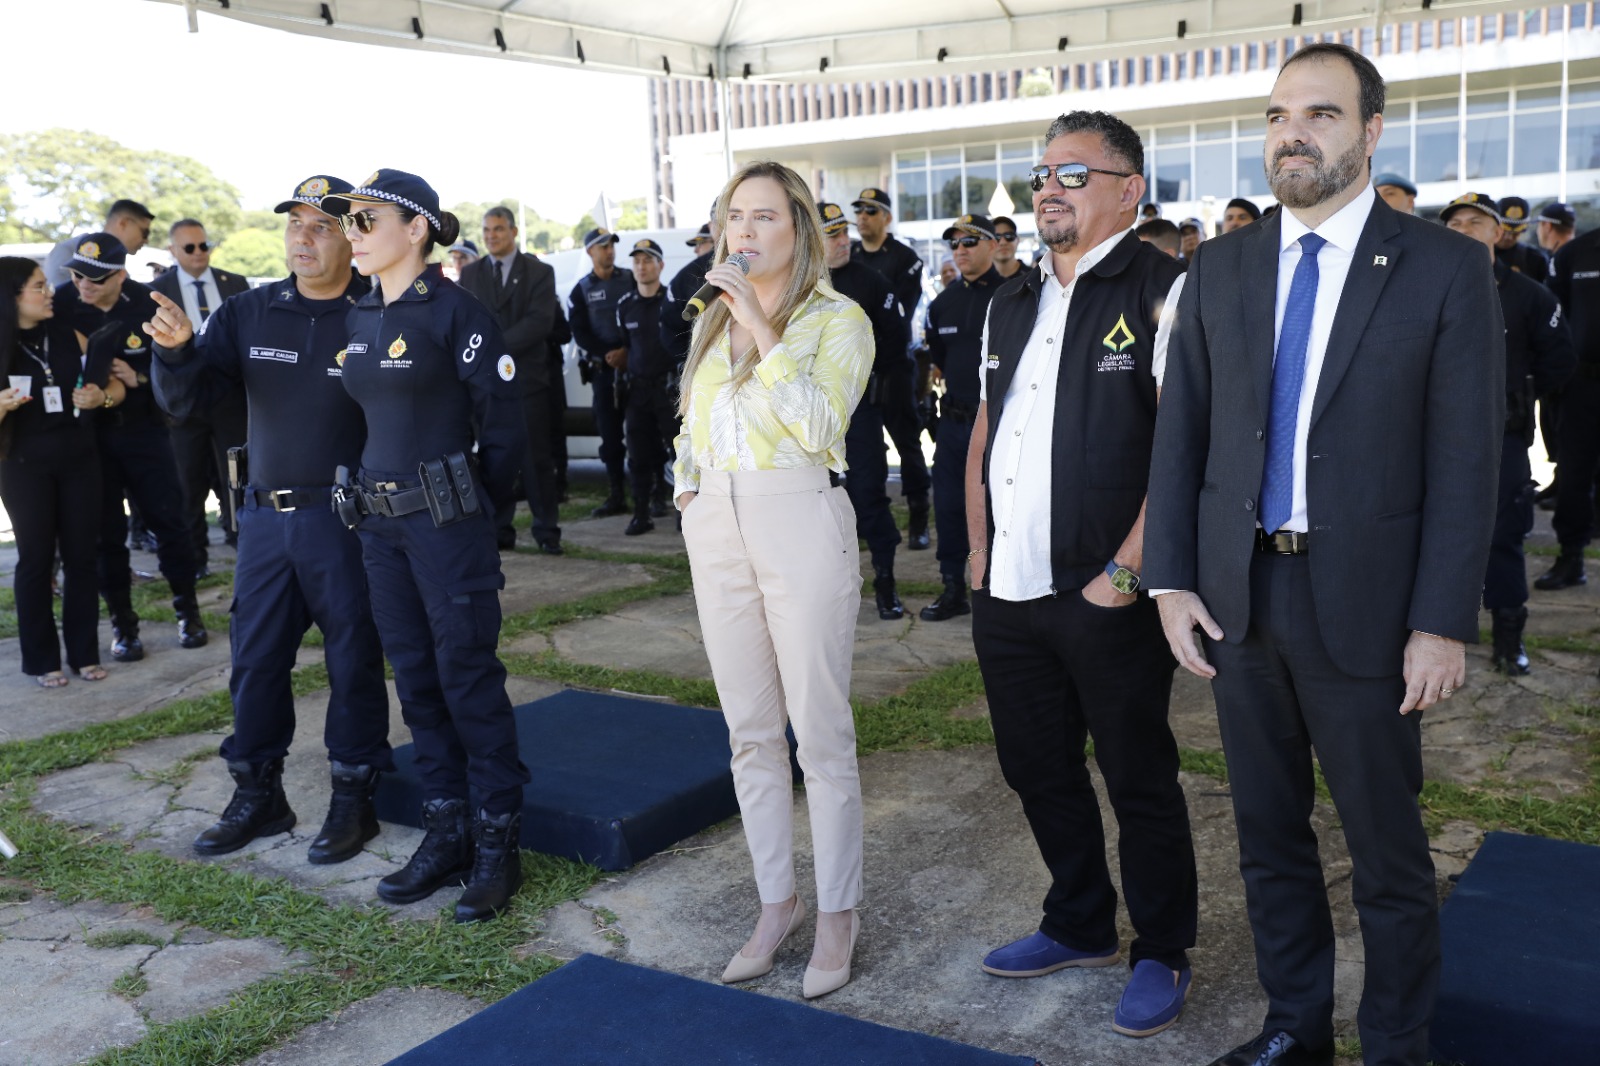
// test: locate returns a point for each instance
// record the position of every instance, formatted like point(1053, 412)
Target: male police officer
point(1397, 192)
point(1523, 258)
point(1239, 213)
point(651, 413)
point(126, 220)
point(1539, 360)
point(880, 250)
point(675, 332)
point(1557, 225)
point(593, 316)
point(866, 483)
point(955, 344)
point(1006, 262)
point(135, 450)
point(298, 564)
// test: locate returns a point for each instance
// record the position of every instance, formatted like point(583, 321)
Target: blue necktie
point(200, 296)
point(1288, 375)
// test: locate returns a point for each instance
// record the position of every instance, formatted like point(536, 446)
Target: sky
point(232, 96)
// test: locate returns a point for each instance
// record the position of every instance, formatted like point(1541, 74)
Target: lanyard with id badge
point(51, 394)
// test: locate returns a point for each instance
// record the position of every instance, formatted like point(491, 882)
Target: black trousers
point(866, 483)
point(1505, 583)
point(652, 422)
point(557, 427)
point(200, 447)
point(1579, 441)
point(55, 501)
point(538, 473)
point(137, 460)
point(1279, 699)
point(905, 429)
point(1058, 671)
point(608, 420)
point(950, 495)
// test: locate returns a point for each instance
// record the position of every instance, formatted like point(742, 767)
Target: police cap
point(1247, 206)
point(311, 191)
point(390, 187)
point(648, 247)
point(702, 234)
point(98, 256)
point(1559, 213)
point(1513, 212)
point(972, 226)
point(1391, 178)
point(833, 219)
point(873, 198)
point(1477, 200)
point(599, 235)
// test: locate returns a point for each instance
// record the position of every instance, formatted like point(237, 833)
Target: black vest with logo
point(1105, 413)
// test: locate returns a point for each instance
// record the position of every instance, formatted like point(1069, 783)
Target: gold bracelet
point(977, 551)
point(109, 402)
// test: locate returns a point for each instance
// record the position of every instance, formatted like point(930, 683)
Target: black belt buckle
point(1282, 542)
point(282, 500)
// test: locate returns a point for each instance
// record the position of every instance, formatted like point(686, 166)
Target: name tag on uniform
point(356, 349)
point(276, 355)
point(597, 296)
point(1585, 275)
point(52, 399)
point(947, 330)
point(993, 362)
point(633, 325)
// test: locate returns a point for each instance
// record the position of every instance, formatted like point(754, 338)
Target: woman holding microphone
point(775, 367)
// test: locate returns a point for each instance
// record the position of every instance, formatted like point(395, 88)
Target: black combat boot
point(258, 809)
point(616, 501)
point(351, 821)
point(126, 647)
point(952, 603)
point(659, 507)
point(443, 858)
point(639, 524)
point(1509, 655)
point(191, 631)
point(917, 528)
point(497, 873)
point(889, 605)
point(1567, 571)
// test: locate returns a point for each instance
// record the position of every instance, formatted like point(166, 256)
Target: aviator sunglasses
point(963, 242)
point(1070, 175)
point(361, 220)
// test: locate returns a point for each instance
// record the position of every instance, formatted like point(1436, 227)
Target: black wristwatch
point(1123, 580)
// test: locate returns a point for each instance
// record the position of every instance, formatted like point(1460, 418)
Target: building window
point(1580, 15)
point(1537, 136)
point(1408, 37)
point(1447, 33)
point(1394, 147)
point(1583, 126)
point(981, 172)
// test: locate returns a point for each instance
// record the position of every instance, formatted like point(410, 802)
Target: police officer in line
point(1509, 249)
point(1396, 191)
point(865, 455)
point(1557, 224)
point(1575, 280)
point(593, 316)
point(1539, 359)
point(955, 338)
point(432, 374)
point(675, 332)
point(109, 309)
point(651, 412)
point(285, 345)
point(883, 252)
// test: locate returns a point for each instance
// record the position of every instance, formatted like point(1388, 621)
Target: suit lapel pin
point(1380, 260)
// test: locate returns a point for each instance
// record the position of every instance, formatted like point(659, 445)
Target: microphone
point(708, 292)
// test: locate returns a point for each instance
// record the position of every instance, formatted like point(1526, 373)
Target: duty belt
point(292, 499)
point(386, 498)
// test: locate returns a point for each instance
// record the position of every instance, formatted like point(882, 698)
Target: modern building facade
point(1507, 104)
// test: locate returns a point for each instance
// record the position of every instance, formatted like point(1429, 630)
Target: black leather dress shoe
point(191, 631)
point(551, 547)
point(1276, 1048)
point(639, 525)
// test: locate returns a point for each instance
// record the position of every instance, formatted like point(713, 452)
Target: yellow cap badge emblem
point(373, 180)
point(314, 187)
point(89, 250)
point(398, 348)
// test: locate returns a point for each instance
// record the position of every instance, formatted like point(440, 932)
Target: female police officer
point(427, 365)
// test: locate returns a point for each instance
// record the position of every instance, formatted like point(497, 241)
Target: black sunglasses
point(1009, 238)
point(361, 220)
point(203, 246)
point(84, 277)
point(963, 242)
point(867, 209)
point(1070, 175)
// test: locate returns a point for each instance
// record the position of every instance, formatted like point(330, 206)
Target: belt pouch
point(441, 494)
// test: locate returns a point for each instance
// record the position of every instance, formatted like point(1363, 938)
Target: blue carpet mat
point(1521, 943)
point(615, 780)
point(596, 1012)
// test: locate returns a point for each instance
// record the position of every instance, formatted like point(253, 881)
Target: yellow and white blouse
point(793, 411)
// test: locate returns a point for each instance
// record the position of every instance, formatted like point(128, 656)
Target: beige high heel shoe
point(744, 968)
point(821, 982)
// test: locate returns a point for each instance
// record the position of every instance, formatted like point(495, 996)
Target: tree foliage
point(59, 182)
point(255, 253)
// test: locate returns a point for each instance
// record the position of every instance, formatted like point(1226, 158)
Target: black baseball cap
point(1513, 212)
point(972, 226)
point(873, 198)
point(599, 235)
point(389, 187)
point(312, 191)
point(702, 234)
point(1559, 213)
point(1478, 200)
point(1247, 206)
point(833, 219)
point(1002, 218)
point(646, 246)
point(98, 256)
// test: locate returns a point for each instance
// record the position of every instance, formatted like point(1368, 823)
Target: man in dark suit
point(200, 442)
point(1322, 494)
point(521, 292)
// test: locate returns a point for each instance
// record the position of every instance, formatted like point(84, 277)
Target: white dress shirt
point(1019, 472)
point(191, 297)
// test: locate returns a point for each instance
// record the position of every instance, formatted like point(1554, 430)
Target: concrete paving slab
point(605, 534)
point(57, 1002)
point(189, 979)
point(534, 580)
point(374, 1030)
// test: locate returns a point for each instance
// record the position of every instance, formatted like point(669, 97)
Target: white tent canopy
point(826, 40)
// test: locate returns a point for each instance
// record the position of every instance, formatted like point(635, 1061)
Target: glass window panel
point(1557, 19)
point(1252, 177)
point(1213, 131)
point(1440, 107)
point(1253, 126)
point(945, 157)
point(1408, 36)
point(944, 184)
point(1447, 32)
point(1213, 170)
point(1436, 152)
point(1583, 92)
point(1015, 174)
point(1579, 13)
point(1491, 27)
point(1017, 150)
point(1171, 166)
point(1487, 103)
point(1583, 138)
point(916, 159)
point(1425, 35)
point(1545, 96)
point(911, 195)
point(980, 187)
point(1538, 143)
point(1488, 141)
point(977, 153)
point(1172, 134)
point(1394, 150)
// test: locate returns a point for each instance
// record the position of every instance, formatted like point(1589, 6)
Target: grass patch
point(121, 938)
point(547, 617)
point(130, 984)
point(919, 717)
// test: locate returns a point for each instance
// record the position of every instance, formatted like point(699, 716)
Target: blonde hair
point(808, 266)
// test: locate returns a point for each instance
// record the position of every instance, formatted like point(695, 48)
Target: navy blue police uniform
point(593, 317)
point(298, 564)
point(433, 376)
point(651, 413)
point(1575, 281)
point(675, 332)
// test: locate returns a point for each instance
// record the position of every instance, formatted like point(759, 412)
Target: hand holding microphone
point(711, 290)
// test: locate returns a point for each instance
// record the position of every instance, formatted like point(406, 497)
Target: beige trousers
point(777, 581)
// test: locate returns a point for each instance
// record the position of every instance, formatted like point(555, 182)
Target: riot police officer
point(902, 268)
point(955, 339)
point(651, 402)
point(298, 564)
point(866, 481)
point(136, 459)
point(432, 374)
point(593, 317)
point(1539, 359)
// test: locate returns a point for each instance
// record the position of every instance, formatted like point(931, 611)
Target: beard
point(1316, 184)
point(1060, 235)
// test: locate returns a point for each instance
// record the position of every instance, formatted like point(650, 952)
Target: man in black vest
point(1055, 508)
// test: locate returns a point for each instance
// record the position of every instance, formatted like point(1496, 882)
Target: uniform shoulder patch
point(470, 352)
point(507, 367)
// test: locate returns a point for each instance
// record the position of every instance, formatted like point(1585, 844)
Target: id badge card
point(52, 399)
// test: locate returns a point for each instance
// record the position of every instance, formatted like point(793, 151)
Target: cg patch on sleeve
point(507, 367)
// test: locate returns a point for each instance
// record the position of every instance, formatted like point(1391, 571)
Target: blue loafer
point(1153, 999)
point(1036, 955)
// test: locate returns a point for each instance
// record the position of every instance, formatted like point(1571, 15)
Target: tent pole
point(724, 110)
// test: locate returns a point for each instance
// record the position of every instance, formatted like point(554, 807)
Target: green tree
point(633, 214)
point(62, 181)
point(255, 253)
point(584, 225)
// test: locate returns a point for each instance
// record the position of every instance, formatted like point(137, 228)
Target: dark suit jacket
point(227, 284)
point(1402, 455)
point(524, 308)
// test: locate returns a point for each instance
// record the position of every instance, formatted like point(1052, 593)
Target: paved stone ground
point(951, 868)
